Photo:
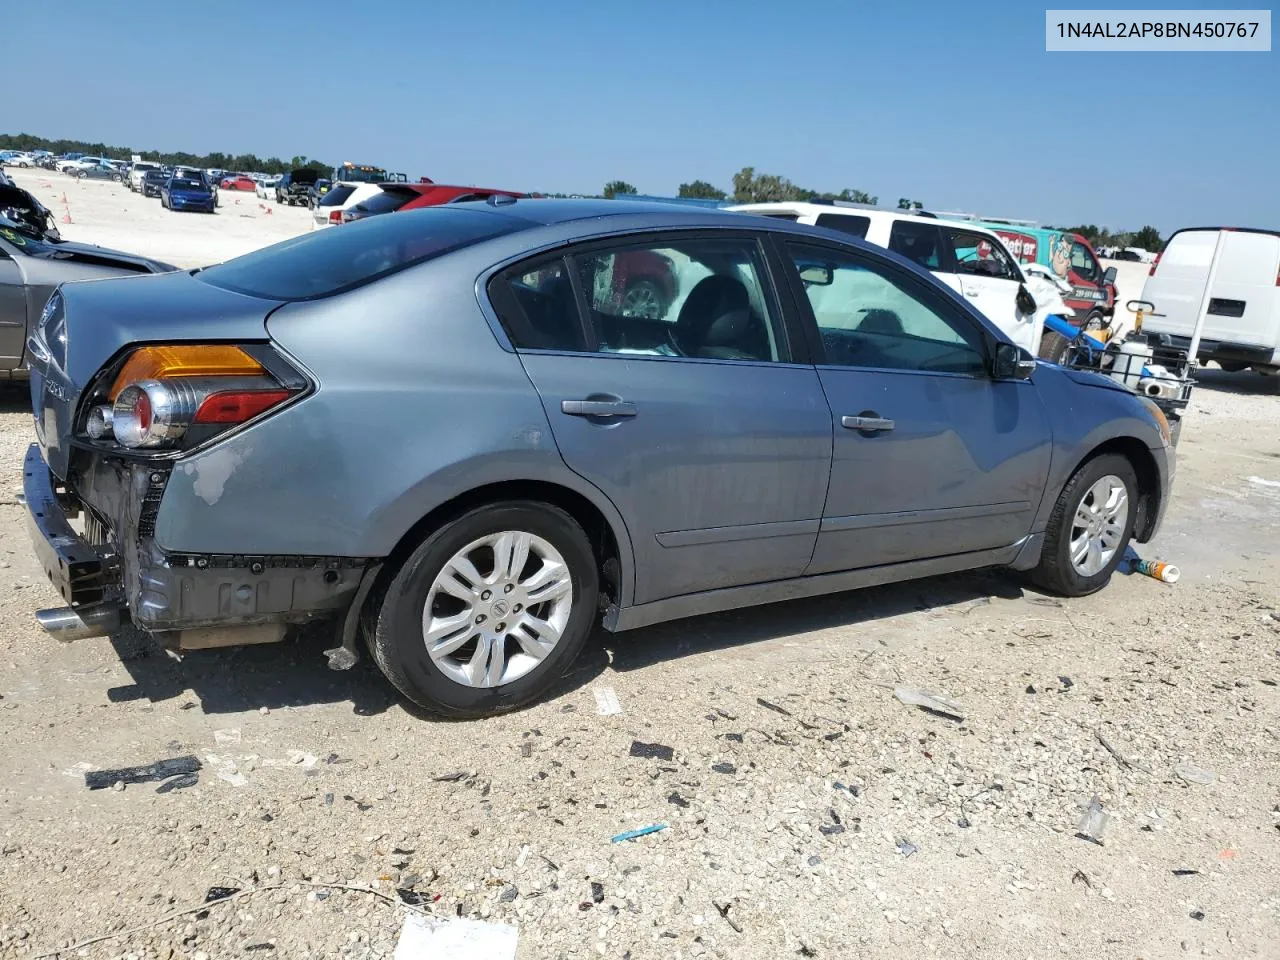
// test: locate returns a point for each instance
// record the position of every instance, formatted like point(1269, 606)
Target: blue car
point(440, 430)
point(188, 190)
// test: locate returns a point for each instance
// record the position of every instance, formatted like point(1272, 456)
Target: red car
point(240, 182)
point(410, 196)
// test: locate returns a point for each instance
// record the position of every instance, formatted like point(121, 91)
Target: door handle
point(866, 424)
point(598, 408)
point(971, 293)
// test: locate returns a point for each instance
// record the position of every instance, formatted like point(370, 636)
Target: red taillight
point(237, 406)
point(335, 216)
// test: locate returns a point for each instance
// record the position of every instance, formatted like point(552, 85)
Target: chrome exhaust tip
point(68, 624)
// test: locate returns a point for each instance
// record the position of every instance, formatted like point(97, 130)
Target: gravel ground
point(808, 812)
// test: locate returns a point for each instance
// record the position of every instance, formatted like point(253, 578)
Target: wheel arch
point(610, 541)
point(1149, 488)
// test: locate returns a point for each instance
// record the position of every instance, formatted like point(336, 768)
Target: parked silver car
point(437, 429)
point(34, 260)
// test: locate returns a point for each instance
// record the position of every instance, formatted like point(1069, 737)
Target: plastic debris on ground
point(607, 704)
point(225, 768)
point(1094, 822)
point(641, 832)
point(651, 751)
point(724, 768)
point(932, 702)
point(150, 773)
point(1193, 774)
point(907, 848)
point(424, 938)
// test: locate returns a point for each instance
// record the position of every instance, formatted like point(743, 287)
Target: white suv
point(341, 196)
point(138, 171)
point(969, 259)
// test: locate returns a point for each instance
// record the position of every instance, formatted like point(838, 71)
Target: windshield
point(188, 183)
point(328, 262)
point(1083, 264)
point(26, 239)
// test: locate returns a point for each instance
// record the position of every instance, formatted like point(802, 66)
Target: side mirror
point(1012, 363)
point(817, 274)
point(1025, 302)
point(1110, 275)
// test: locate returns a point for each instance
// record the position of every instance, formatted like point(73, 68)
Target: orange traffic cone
point(64, 197)
point(66, 217)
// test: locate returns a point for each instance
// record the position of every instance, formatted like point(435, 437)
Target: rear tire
point(396, 616)
point(1058, 571)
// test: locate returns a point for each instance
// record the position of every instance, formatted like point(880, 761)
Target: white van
point(1242, 326)
point(968, 258)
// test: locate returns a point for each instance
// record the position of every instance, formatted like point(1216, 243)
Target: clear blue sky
point(955, 104)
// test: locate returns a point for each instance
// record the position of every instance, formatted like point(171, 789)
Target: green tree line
point(246, 162)
point(1148, 238)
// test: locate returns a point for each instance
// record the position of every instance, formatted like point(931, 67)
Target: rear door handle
point(598, 408)
point(866, 424)
point(971, 293)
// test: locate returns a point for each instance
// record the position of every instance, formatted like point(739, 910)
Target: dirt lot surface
point(808, 812)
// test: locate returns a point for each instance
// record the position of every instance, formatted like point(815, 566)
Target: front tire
point(1090, 527)
point(488, 612)
point(1054, 347)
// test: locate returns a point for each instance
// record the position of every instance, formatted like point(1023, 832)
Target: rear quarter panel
point(415, 403)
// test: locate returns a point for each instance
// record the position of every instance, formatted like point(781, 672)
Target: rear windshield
point(388, 201)
point(328, 262)
point(337, 196)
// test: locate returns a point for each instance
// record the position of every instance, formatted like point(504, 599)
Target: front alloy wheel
point(488, 612)
point(1089, 528)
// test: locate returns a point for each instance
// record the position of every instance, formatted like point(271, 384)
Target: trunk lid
point(87, 323)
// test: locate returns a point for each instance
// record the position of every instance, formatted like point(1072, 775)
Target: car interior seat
point(717, 322)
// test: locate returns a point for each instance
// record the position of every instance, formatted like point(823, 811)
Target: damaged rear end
point(128, 380)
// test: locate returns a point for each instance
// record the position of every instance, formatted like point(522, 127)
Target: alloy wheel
point(497, 609)
point(1098, 525)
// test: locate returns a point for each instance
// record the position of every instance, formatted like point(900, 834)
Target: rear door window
point(388, 201)
point(854, 226)
point(919, 242)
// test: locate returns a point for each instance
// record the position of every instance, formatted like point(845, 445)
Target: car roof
point(804, 208)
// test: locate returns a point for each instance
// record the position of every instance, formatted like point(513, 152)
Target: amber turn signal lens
point(199, 360)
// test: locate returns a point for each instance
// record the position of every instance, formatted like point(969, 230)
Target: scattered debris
point(1193, 774)
point(1082, 877)
point(907, 848)
point(678, 800)
point(1155, 569)
point(457, 938)
point(597, 892)
point(963, 822)
point(526, 749)
point(1030, 688)
point(1186, 873)
point(415, 899)
point(724, 768)
point(1094, 822)
point(607, 703)
point(213, 895)
point(831, 829)
point(1197, 914)
point(930, 702)
point(852, 789)
point(225, 768)
point(723, 910)
point(229, 735)
point(361, 805)
point(651, 751)
point(1067, 682)
point(806, 950)
point(180, 782)
point(773, 706)
point(152, 772)
point(452, 777)
point(641, 832)
point(509, 894)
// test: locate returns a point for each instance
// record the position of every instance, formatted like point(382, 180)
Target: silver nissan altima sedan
point(451, 432)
